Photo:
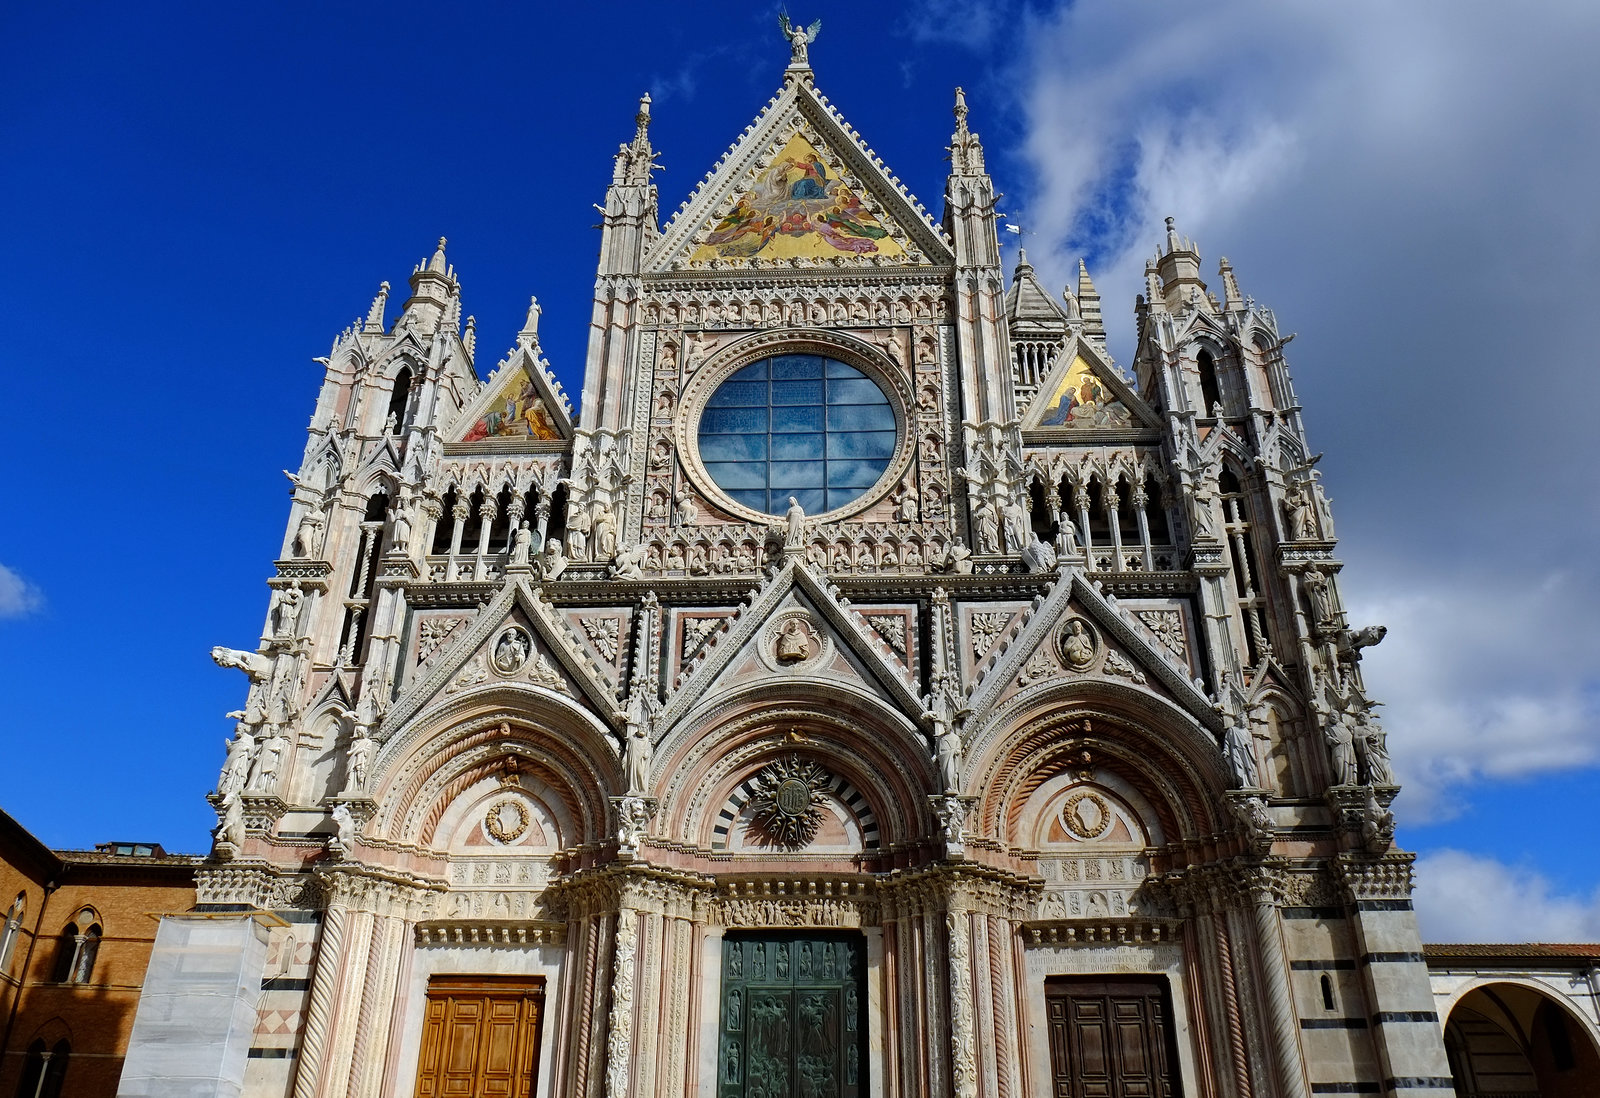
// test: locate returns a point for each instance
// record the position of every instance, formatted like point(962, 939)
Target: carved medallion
point(1078, 644)
point(793, 640)
point(506, 821)
point(1086, 816)
point(511, 650)
point(785, 804)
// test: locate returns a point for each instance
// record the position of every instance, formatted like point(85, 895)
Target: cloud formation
point(18, 597)
point(1407, 187)
point(1461, 897)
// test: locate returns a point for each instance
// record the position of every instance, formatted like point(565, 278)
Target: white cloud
point(1410, 187)
point(18, 597)
point(1462, 897)
point(1486, 675)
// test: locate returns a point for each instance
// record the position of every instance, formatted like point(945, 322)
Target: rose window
point(798, 425)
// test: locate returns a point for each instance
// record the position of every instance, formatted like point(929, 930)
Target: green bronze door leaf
point(791, 1024)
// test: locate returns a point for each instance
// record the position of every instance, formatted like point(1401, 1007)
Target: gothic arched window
point(800, 425)
point(44, 1069)
point(79, 945)
point(11, 931)
point(398, 400)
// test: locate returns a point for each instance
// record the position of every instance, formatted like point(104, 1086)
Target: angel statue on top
point(798, 38)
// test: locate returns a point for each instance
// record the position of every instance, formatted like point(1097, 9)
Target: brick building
point(75, 939)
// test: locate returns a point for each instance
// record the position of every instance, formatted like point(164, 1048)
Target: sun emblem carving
point(506, 821)
point(786, 806)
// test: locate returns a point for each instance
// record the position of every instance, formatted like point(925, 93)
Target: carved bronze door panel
point(792, 1022)
point(1111, 1039)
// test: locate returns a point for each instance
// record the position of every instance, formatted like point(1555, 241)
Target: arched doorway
point(1513, 1041)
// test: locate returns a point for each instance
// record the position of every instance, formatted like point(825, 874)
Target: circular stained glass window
point(805, 426)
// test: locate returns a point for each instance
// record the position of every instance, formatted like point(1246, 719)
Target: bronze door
point(793, 1022)
point(1111, 1039)
point(480, 1037)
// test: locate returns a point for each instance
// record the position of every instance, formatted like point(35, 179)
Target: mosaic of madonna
point(1082, 400)
point(517, 412)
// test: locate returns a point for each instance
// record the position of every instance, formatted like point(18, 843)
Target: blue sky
point(200, 197)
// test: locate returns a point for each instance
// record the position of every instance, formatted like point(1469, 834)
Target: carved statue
point(400, 526)
point(906, 507)
point(555, 562)
point(268, 760)
point(794, 523)
point(1321, 596)
point(307, 536)
point(948, 750)
point(344, 826)
point(231, 828)
point(1341, 748)
point(957, 559)
point(288, 616)
point(521, 545)
point(1352, 641)
point(687, 511)
point(1077, 646)
point(1239, 751)
point(1200, 516)
point(1038, 556)
point(578, 525)
point(1302, 514)
point(986, 525)
point(794, 644)
point(511, 652)
point(628, 563)
point(253, 664)
point(241, 752)
point(639, 751)
point(1372, 748)
point(1067, 538)
point(361, 747)
point(798, 39)
point(1017, 527)
point(605, 532)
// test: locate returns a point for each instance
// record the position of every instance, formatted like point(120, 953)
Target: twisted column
point(320, 1009)
point(963, 1054)
point(1230, 1003)
point(1282, 1017)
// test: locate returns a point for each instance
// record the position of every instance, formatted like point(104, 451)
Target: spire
point(375, 313)
point(1094, 326)
point(1233, 300)
point(966, 151)
point(437, 263)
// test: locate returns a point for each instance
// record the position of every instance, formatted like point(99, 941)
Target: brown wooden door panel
point(1110, 1039)
point(480, 1037)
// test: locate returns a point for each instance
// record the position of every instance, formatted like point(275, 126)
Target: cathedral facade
point(871, 690)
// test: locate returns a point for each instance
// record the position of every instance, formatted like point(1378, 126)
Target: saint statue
point(605, 532)
point(1372, 745)
point(1077, 646)
point(639, 751)
point(1239, 750)
point(360, 758)
point(799, 38)
point(511, 652)
point(1341, 748)
point(794, 519)
point(521, 545)
point(793, 643)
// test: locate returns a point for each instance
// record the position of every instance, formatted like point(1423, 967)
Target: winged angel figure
point(798, 38)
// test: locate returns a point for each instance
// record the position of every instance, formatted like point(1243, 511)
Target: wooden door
point(1111, 1039)
point(792, 1021)
point(480, 1037)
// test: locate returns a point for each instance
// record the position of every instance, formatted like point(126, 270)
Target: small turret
point(1179, 268)
point(434, 290)
point(375, 313)
point(1232, 300)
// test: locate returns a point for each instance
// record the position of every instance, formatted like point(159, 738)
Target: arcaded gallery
point(869, 688)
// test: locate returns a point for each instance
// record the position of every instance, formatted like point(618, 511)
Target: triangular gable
point(1123, 653)
point(1083, 392)
point(799, 185)
point(517, 403)
point(556, 660)
point(793, 587)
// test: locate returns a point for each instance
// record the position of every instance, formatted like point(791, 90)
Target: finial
point(437, 263)
point(961, 108)
point(1022, 258)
